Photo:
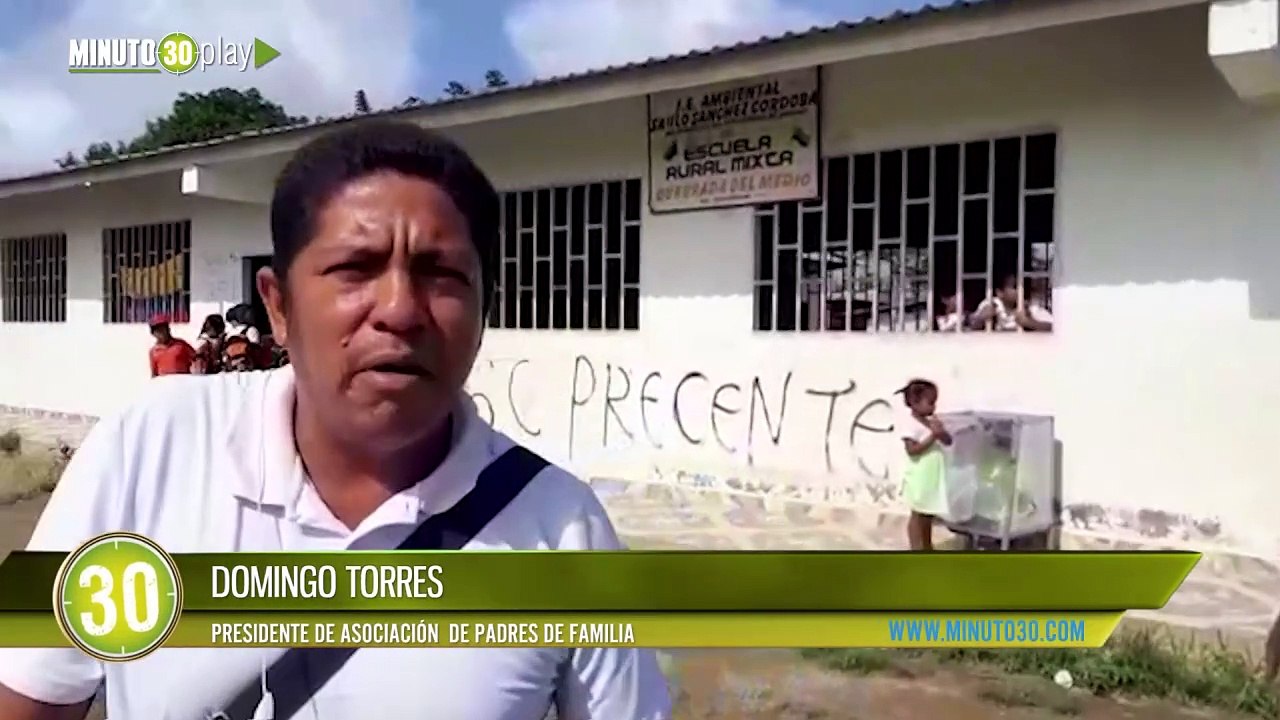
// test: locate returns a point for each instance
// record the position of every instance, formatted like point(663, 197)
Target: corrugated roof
point(845, 26)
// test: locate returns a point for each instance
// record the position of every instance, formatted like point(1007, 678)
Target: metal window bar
point(1022, 214)
point(163, 248)
point(495, 314)
point(6, 281)
point(595, 248)
point(24, 250)
point(106, 277)
point(185, 297)
point(612, 296)
point(24, 279)
point(33, 277)
point(898, 290)
point(990, 195)
point(762, 213)
point(629, 190)
point(559, 274)
point(153, 238)
point(508, 295)
point(961, 301)
point(930, 312)
point(46, 278)
point(605, 256)
point(850, 264)
point(15, 268)
point(21, 250)
point(520, 261)
point(40, 250)
point(541, 316)
point(824, 279)
point(62, 277)
point(578, 259)
point(40, 270)
point(797, 248)
point(135, 261)
point(874, 264)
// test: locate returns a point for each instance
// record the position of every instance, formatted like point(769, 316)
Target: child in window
point(950, 319)
point(923, 437)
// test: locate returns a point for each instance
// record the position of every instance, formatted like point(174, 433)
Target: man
point(170, 355)
point(385, 242)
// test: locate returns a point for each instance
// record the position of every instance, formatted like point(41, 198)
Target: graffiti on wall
point(758, 424)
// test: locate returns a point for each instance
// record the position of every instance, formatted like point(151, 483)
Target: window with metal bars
point(570, 258)
point(33, 273)
point(900, 233)
point(146, 271)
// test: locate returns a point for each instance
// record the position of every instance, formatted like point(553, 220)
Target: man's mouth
point(400, 368)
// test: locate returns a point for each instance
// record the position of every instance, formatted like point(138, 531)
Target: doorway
point(252, 264)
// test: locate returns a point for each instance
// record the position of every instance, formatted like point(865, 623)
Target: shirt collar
point(268, 472)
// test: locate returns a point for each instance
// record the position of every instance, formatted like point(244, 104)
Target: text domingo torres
point(323, 581)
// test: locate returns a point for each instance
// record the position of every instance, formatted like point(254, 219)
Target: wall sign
point(737, 143)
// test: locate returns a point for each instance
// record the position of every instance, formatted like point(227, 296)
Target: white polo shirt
point(208, 464)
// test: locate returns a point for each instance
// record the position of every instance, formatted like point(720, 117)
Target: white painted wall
point(1159, 373)
point(86, 365)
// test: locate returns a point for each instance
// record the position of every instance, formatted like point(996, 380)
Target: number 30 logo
point(178, 53)
point(118, 597)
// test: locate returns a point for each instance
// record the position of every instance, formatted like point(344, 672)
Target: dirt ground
point(777, 685)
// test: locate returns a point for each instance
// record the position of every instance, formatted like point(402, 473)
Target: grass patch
point(1027, 691)
point(27, 470)
point(1140, 663)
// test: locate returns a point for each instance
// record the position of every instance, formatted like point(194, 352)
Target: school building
point(717, 268)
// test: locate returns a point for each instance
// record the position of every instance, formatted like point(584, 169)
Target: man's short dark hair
point(323, 166)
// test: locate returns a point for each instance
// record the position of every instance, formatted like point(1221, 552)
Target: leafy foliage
point(495, 79)
point(195, 117)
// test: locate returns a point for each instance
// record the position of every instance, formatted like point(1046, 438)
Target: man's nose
point(397, 306)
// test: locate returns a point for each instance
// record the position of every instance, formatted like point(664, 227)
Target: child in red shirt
point(170, 355)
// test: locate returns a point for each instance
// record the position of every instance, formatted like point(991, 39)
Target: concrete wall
point(1166, 297)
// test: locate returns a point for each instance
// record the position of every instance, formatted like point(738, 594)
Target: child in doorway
point(923, 437)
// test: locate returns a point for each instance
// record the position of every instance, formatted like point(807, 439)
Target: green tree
point(456, 89)
point(68, 161)
point(100, 151)
point(362, 102)
point(204, 116)
point(495, 79)
point(195, 117)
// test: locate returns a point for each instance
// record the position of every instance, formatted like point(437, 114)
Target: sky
point(392, 49)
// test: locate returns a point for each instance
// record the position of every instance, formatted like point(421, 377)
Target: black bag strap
point(299, 674)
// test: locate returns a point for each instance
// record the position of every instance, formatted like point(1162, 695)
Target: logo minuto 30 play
point(177, 53)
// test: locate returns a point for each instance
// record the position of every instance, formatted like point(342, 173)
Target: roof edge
point(930, 25)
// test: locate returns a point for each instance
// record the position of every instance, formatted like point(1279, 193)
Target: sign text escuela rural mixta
point(736, 143)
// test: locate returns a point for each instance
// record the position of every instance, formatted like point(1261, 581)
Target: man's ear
point(272, 290)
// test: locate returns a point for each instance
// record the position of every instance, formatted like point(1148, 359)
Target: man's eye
point(440, 271)
point(349, 268)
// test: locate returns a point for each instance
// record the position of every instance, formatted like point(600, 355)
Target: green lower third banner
point(611, 629)
point(125, 570)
